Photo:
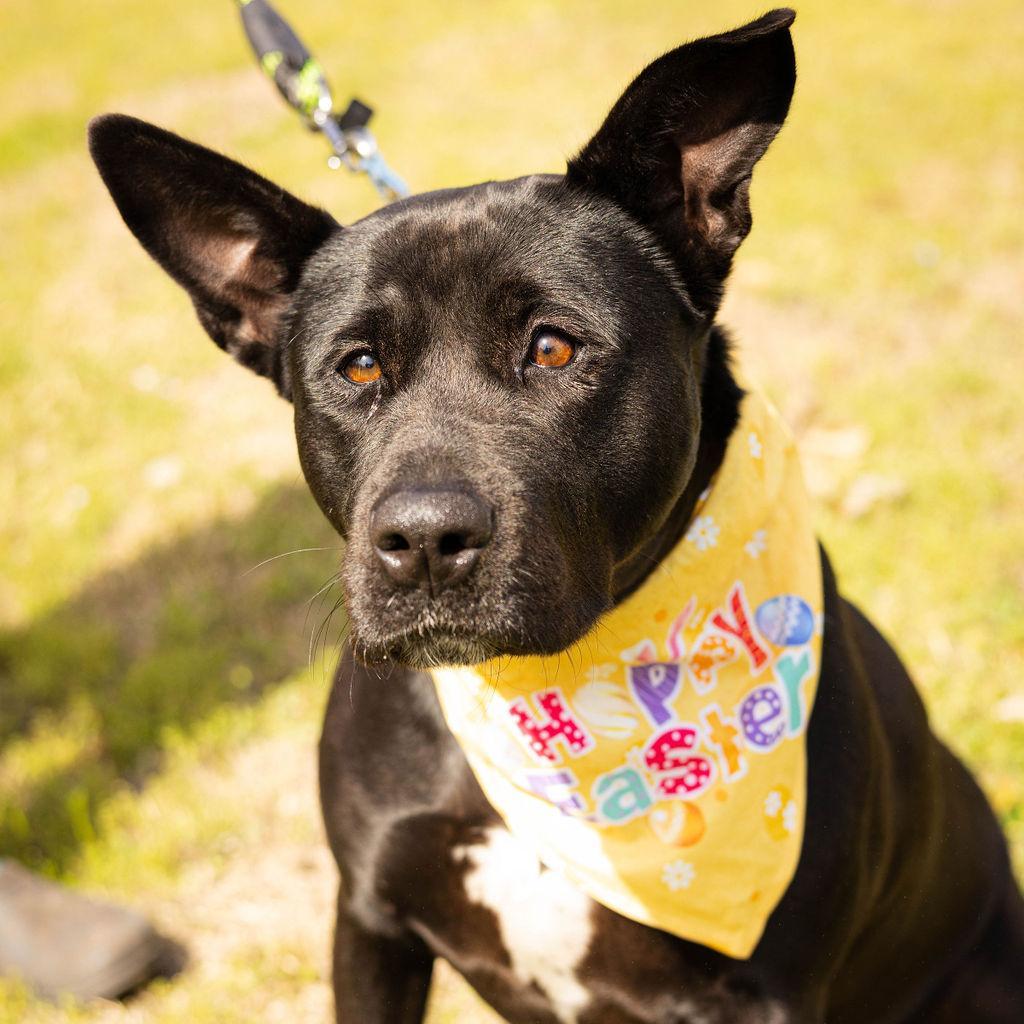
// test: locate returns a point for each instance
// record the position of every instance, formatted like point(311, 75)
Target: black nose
point(430, 538)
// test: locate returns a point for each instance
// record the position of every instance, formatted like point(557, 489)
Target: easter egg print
point(786, 620)
point(677, 823)
point(606, 709)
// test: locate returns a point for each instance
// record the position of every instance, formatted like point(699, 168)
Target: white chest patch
point(545, 922)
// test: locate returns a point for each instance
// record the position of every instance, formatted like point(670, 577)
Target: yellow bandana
point(660, 764)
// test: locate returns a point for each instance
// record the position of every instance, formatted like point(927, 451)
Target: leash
point(301, 81)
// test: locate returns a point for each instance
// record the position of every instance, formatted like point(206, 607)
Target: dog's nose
point(430, 538)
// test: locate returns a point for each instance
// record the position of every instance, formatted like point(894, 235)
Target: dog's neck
point(720, 411)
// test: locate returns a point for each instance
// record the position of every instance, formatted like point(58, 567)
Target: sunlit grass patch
point(157, 723)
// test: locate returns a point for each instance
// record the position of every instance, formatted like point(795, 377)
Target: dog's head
point(501, 392)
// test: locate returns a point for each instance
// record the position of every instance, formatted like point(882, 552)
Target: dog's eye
point(551, 350)
point(360, 367)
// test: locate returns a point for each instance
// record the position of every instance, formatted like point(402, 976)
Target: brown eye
point(361, 368)
point(551, 350)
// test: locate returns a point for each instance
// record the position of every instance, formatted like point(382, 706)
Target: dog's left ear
point(237, 243)
point(678, 149)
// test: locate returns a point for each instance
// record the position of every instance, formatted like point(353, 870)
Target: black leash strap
point(301, 81)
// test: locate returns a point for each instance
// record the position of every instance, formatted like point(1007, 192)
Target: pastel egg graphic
point(677, 823)
point(786, 620)
point(606, 709)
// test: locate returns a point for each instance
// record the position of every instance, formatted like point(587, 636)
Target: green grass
point(157, 707)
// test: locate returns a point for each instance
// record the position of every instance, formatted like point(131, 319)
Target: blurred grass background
point(159, 701)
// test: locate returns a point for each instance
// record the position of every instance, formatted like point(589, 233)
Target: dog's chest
point(554, 955)
point(546, 925)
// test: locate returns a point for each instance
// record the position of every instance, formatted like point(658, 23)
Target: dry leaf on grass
point(869, 490)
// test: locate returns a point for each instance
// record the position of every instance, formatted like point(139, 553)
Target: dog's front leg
point(378, 979)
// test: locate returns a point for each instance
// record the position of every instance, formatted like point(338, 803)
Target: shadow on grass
point(91, 692)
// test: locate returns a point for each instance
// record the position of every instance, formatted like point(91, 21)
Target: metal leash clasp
point(301, 81)
point(356, 148)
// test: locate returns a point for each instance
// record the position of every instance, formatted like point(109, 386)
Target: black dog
point(508, 399)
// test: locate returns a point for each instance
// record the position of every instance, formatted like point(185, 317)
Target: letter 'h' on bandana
point(666, 775)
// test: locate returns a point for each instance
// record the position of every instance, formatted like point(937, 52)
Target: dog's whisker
point(319, 597)
point(333, 581)
point(286, 554)
point(322, 630)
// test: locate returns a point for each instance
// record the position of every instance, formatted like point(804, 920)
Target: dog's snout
point(430, 538)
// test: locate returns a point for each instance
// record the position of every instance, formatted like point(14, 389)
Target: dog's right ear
point(236, 242)
point(678, 149)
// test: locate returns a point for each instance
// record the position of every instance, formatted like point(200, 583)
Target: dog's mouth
point(469, 629)
point(425, 647)
point(521, 596)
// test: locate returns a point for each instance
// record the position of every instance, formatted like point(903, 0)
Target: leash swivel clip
point(301, 81)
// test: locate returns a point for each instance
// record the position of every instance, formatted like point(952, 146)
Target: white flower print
point(789, 817)
point(756, 450)
point(757, 544)
point(703, 533)
point(678, 874)
point(773, 803)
